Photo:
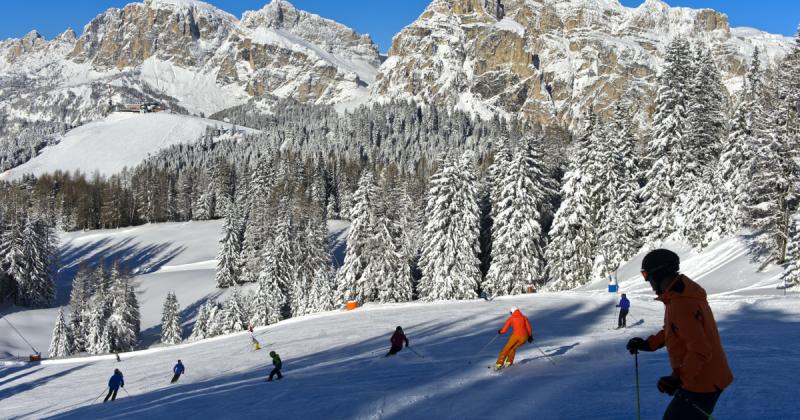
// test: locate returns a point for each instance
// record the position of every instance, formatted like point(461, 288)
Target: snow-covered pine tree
point(770, 173)
point(666, 151)
point(705, 132)
point(353, 284)
point(234, 316)
point(61, 343)
point(518, 198)
point(388, 265)
point(323, 294)
point(572, 248)
point(171, 332)
point(79, 303)
point(791, 271)
point(736, 153)
point(257, 231)
point(618, 234)
point(97, 339)
point(29, 250)
point(122, 325)
point(449, 261)
point(230, 251)
point(268, 302)
point(201, 324)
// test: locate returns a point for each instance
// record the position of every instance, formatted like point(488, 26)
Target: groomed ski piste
point(334, 366)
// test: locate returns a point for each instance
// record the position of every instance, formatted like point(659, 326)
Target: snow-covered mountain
point(549, 60)
point(186, 55)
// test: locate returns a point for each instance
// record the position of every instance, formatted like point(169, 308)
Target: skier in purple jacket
point(624, 305)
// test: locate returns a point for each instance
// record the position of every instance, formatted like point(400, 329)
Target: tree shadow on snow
point(362, 378)
point(27, 386)
point(132, 256)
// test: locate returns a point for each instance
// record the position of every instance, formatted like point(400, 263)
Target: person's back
point(522, 332)
point(277, 364)
point(179, 368)
point(116, 380)
point(624, 303)
point(397, 340)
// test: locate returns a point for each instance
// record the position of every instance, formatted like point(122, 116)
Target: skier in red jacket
point(397, 341)
point(522, 333)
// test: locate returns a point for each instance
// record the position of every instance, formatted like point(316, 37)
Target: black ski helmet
point(399, 328)
point(661, 263)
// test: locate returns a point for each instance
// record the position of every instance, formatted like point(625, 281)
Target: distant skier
point(178, 371)
point(522, 333)
point(624, 305)
point(485, 296)
point(254, 342)
point(114, 383)
point(700, 369)
point(276, 366)
point(397, 341)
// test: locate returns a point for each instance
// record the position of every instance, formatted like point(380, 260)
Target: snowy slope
point(119, 140)
point(334, 370)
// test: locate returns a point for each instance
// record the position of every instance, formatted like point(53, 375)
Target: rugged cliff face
point(547, 60)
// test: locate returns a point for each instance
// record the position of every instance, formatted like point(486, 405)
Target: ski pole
point(638, 400)
point(98, 397)
point(686, 400)
point(545, 355)
point(415, 352)
point(484, 347)
point(126, 391)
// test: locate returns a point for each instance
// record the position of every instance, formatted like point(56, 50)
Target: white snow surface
point(333, 362)
point(118, 141)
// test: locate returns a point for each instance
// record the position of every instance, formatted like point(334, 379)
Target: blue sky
point(380, 18)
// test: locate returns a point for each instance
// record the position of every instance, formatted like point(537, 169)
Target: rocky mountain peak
point(67, 36)
point(549, 60)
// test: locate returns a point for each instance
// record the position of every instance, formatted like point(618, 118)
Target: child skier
point(522, 332)
point(397, 341)
point(624, 305)
point(277, 364)
point(114, 383)
point(254, 342)
point(178, 371)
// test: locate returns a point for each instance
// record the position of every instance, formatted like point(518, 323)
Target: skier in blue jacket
point(624, 306)
point(178, 370)
point(114, 383)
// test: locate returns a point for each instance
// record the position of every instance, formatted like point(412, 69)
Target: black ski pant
point(175, 378)
point(623, 313)
point(393, 351)
point(112, 393)
point(687, 405)
point(275, 371)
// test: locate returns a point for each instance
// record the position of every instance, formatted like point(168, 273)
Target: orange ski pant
point(510, 350)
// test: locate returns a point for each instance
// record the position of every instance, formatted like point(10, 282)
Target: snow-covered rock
point(549, 60)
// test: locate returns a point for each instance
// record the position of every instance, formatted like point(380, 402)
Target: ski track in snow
point(334, 366)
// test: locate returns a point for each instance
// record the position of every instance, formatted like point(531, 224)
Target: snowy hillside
point(334, 369)
point(119, 140)
point(332, 361)
point(179, 257)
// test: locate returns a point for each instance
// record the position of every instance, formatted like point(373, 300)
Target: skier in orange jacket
point(522, 333)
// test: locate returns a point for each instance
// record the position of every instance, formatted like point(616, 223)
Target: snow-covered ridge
point(118, 141)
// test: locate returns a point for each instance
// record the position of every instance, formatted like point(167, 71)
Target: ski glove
point(499, 331)
point(638, 344)
point(669, 385)
point(530, 339)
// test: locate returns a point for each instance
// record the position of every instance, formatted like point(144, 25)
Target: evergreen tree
point(573, 240)
point(618, 233)
point(667, 152)
point(122, 325)
point(268, 302)
point(520, 194)
point(791, 272)
point(230, 253)
point(201, 324)
point(79, 303)
point(234, 316)
point(97, 338)
point(171, 321)
point(323, 294)
point(61, 343)
point(449, 262)
point(354, 284)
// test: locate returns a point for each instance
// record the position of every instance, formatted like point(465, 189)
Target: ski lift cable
point(20, 334)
